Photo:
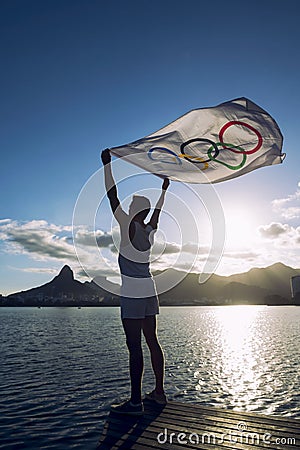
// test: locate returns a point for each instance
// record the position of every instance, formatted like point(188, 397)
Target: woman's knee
point(134, 346)
point(152, 341)
point(133, 328)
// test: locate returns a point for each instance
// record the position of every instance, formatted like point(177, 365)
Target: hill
point(62, 290)
point(269, 285)
point(275, 278)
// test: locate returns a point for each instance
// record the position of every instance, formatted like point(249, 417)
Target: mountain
point(259, 285)
point(269, 285)
point(62, 285)
point(275, 278)
point(63, 290)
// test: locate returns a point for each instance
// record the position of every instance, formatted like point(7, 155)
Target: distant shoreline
point(161, 305)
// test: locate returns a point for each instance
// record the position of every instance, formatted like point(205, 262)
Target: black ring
point(184, 144)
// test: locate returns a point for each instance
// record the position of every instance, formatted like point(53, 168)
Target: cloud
point(194, 248)
point(36, 270)
point(43, 241)
point(273, 230)
point(93, 238)
point(169, 248)
point(288, 207)
point(245, 255)
point(281, 234)
point(37, 238)
point(166, 248)
point(95, 253)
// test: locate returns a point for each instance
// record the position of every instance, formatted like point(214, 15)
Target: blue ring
point(165, 150)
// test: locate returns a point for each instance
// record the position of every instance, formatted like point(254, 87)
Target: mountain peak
point(280, 266)
point(66, 273)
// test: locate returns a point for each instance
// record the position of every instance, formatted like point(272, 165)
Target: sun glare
point(236, 322)
point(240, 228)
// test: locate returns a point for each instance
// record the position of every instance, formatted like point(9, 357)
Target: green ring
point(210, 150)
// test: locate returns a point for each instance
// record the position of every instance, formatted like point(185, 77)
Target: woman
point(139, 301)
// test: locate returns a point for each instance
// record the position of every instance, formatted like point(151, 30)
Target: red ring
point(235, 122)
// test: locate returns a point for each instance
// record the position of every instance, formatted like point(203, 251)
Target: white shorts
point(138, 308)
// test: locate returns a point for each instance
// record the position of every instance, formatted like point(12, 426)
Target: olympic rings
point(214, 148)
point(236, 122)
point(199, 140)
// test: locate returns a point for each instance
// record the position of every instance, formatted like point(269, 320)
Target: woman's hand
point(105, 156)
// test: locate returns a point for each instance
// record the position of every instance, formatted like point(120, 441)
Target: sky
point(80, 76)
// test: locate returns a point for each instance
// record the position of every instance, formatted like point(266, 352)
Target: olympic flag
point(209, 145)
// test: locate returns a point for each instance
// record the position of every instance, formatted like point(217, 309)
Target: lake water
point(61, 368)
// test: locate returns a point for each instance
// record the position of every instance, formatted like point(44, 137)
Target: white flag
point(209, 145)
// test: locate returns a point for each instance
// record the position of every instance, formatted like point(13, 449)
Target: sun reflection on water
point(237, 327)
point(239, 357)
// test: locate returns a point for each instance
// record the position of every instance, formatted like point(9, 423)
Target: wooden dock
point(187, 426)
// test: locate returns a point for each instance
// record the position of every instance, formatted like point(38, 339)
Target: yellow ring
point(198, 158)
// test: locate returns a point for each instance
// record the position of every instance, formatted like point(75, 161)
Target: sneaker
point(128, 408)
point(161, 399)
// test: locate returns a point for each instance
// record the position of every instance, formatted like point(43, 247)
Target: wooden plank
point(140, 443)
point(211, 421)
point(218, 428)
point(182, 427)
point(187, 426)
point(262, 424)
point(232, 422)
point(178, 406)
point(210, 437)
